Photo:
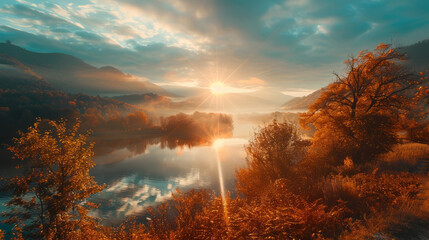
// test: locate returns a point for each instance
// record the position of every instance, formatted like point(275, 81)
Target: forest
point(362, 175)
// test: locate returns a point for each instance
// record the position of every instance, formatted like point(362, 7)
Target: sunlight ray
point(202, 102)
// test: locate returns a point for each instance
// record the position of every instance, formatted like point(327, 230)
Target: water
point(143, 172)
point(138, 177)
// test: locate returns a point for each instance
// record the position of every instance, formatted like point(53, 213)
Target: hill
point(140, 99)
point(71, 74)
point(15, 75)
point(25, 95)
point(418, 55)
point(302, 103)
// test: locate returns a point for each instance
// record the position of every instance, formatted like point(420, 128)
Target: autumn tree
point(273, 153)
point(361, 113)
point(50, 196)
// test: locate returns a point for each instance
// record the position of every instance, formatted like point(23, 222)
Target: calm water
point(136, 181)
point(144, 172)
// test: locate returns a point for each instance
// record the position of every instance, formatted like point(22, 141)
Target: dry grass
point(424, 196)
point(410, 153)
point(339, 187)
point(406, 221)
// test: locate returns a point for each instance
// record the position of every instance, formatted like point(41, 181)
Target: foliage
point(50, 197)
point(360, 114)
point(280, 214)
point(275, 214)
point(272, 153)
point(195, 129)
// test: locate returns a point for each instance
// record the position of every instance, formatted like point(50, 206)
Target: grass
point(409, 153)
point(407, 221)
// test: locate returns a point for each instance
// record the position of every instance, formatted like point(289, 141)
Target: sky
point(291, 46)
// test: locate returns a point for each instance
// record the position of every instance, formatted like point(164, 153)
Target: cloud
point(297, 92)
point(286, 43)
point(45, 19)
point(89, 36)
point(150, 61)
point(253, 81)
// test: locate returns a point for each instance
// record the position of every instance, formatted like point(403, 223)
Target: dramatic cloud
point(288, 45)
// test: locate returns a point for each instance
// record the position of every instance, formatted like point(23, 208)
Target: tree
point(360, 114)
point(49, 197)
point(272, 153)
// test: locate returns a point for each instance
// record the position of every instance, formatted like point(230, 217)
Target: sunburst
point(218, 88)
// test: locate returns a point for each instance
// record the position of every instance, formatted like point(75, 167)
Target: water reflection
point(132, 194)
point(177, 131)
point(118, 148)
point(142, 172)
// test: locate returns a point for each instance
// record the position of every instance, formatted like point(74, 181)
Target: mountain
point(302, 103)
point(73, 75)
point(272, 95)
point(15, 75)
point(418, 55)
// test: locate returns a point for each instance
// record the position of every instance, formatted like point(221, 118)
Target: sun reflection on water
point(217, 145)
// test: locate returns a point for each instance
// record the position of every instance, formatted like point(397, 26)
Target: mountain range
point(73, 75)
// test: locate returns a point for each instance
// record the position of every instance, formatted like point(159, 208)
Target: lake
point(142, 172)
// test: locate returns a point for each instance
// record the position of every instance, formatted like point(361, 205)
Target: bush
point(273, 153)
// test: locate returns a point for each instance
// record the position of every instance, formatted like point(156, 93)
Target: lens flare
point(218, 88)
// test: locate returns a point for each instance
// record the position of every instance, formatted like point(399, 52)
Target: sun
point(218, 88)
point(218, 143)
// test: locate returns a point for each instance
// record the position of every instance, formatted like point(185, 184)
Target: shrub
point(272, 153)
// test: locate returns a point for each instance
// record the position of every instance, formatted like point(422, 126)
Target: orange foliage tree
point(50, 196)
point(360, 114)
point(272, 153)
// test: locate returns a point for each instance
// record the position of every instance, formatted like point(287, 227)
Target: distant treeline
point(18, 109)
